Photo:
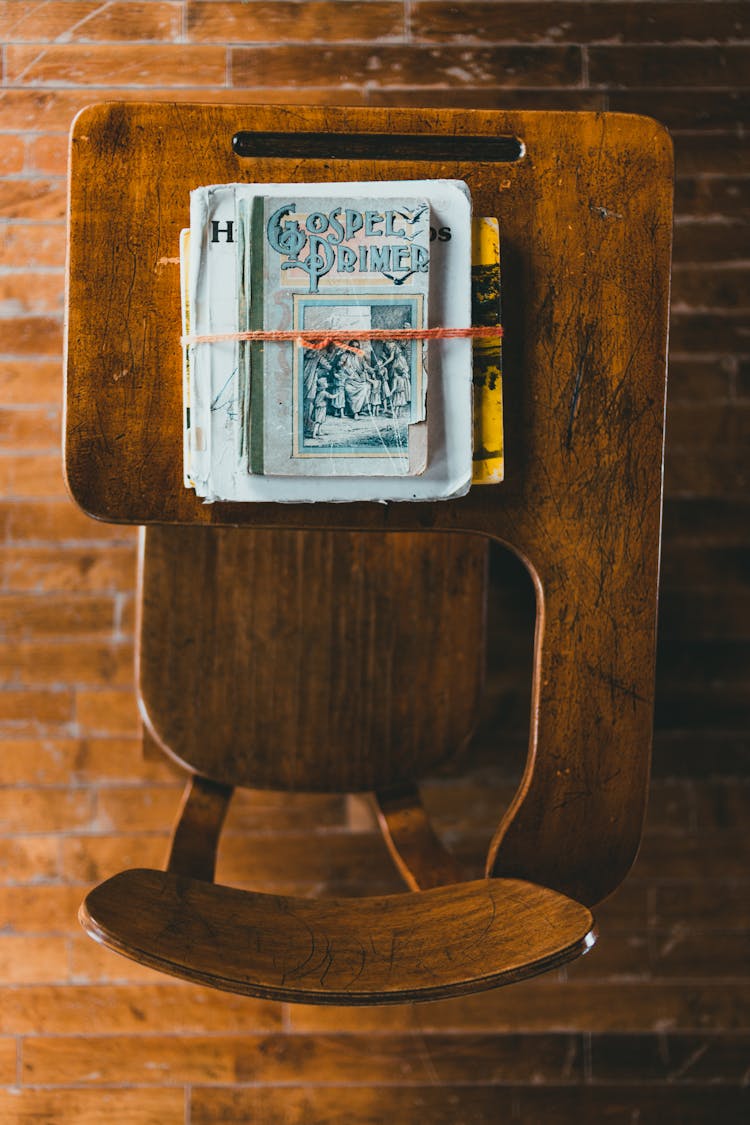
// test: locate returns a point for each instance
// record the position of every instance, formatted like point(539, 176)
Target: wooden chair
point(320, 661)
point(231, 612)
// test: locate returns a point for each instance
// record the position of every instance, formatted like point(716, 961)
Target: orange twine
point(317, 339)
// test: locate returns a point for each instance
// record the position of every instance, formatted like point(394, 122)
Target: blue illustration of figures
point(338, 402)
point(356, 373)
point(399, 377)
point(356, 396)
point(376, 391)
point(315, 364)
point(320, 406)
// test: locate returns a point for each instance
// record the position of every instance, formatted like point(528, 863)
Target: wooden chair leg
point(420, 856)
point(196, 834)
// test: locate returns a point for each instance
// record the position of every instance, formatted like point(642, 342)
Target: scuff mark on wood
point(604, 212)
point(577, 386)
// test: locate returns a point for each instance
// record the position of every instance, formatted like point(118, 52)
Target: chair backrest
point(318, 661)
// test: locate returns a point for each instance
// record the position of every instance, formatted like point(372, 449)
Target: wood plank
point(8, 1062)
point(338, 863)
point(91, 1107)
point(92, 64)
point(147, 807)
point(26, 959)
point(684, 66)
point(459, 1105)
point(45, 810)
point(549, 1004)
point(93, 964)
point(439, 66)
point(563, 22)
point(46, 909)
point(98, 568)
point(29, 859)
point(722, 854)
point(131, 1009)
point(715, 1057)
point(387, 1060)
point(231, 21)
point(87, 21)
point(707, 905)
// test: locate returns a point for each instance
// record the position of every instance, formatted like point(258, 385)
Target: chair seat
point(412, 946)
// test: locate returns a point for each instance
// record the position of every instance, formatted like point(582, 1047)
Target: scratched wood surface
point(586, 222)
point(311, 660)
point(414, 946)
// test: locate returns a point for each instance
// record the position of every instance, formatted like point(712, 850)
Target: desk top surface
point(585, 219)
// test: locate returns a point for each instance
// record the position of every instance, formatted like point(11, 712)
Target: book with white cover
point(353, 418)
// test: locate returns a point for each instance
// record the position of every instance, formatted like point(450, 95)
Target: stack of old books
point(305, 374)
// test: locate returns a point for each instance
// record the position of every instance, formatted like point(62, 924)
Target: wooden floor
point(653, 1025)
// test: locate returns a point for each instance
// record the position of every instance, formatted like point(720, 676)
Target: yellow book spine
point(488, 459)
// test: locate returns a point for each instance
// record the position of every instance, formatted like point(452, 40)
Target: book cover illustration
point(352, 418)
point(351, 406)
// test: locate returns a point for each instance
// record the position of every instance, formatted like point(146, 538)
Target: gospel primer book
point(348, 418)
point(356, 406)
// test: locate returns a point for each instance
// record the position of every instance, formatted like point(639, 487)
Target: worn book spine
point(488, 461)
point(244, 264)
point(185, 302)
point(257, 350)
point(211, 368)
